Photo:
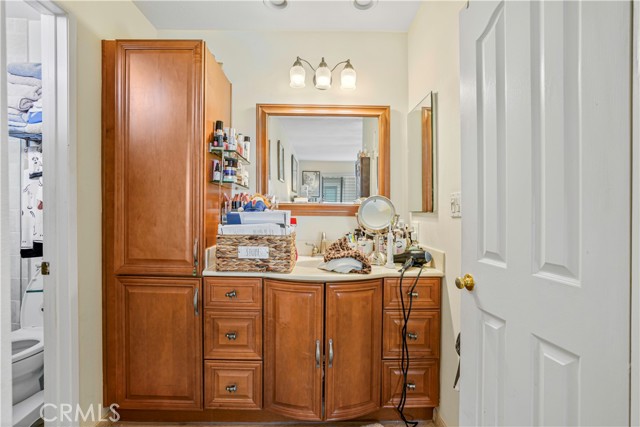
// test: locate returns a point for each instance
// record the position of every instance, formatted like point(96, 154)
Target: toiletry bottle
point(247, 147)
point(323, 243)
point(216, 171)
point(218, 134)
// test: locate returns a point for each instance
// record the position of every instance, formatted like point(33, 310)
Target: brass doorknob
point(465, 282)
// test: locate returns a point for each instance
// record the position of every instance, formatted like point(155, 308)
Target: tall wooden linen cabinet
point(160, 99)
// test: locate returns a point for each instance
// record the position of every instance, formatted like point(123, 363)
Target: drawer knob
point(411, 386)
point(231, 294)
point(233, 388)
point(231, 336)
point(413, 294)
point(412, 335)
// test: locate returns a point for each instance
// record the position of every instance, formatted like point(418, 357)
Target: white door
point(545, 99)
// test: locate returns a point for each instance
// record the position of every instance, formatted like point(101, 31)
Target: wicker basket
point(232, 252)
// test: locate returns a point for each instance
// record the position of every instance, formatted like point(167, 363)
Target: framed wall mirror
point(421, 136)
point(341, 155)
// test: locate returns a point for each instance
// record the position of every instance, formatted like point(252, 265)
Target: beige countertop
point(306, 270)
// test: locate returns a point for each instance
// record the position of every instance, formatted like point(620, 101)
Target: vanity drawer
point(428, 290)
point(233, 335)
point(233, 293)
point(424, 325)
point(232, 385)
point(423, 383)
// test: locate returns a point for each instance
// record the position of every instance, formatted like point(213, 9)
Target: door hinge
point(44, 268)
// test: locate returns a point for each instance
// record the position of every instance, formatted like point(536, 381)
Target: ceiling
point(19, 9)
point(299, 15)
point(322, 139)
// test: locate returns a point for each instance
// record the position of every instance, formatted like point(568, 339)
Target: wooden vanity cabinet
point(233, 343)
point(159, 343)
point(305, 337)
point(160, 99)
point(423, 331)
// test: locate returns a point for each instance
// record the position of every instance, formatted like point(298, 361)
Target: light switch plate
point(455, 205)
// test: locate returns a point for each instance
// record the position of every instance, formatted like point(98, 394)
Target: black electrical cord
point(404, 361)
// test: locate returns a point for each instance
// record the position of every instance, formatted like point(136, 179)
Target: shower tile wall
point(23, 45)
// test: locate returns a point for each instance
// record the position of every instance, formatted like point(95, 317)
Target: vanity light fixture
point(275, 4)
point(364, 4)
point(322, 75)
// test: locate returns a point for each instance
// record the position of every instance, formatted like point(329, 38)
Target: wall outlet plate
point(455, 205)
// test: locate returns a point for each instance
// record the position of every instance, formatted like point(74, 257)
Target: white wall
point(433, 66)
point(257, 64)
point(94, 21)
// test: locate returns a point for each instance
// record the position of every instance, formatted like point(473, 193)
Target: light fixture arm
point(348, 61)
point(308, 63)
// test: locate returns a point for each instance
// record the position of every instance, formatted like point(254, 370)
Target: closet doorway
point(38, 202)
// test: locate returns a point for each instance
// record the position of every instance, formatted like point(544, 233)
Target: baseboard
point(437, 419)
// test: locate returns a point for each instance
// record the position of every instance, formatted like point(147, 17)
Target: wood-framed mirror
point(421, 138)
point(342, 154)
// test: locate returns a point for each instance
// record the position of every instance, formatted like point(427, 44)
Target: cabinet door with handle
point(152, 151)
point(293, 349)
point(353, 349)
point(158, 343)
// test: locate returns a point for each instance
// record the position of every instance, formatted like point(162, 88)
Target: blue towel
point(25, 69)
point(17, 124)
point(35, 117)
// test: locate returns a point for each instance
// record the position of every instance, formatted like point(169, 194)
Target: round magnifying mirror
point(376, 214)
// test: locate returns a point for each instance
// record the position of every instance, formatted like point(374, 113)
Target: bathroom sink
point(309, 262)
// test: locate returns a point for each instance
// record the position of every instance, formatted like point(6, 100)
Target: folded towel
point(25, 69)
point(21, 80)
point(32, 93)
point(341, 249)
point(20, 118)
point(19, 103)
point(15, 111)
point(33, 128)
point(19, 129)
point(34, 117)
point(342, 265)
point(17, 124)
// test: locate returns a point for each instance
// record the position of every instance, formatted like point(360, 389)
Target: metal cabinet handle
point(231, 336)
point(330, 353)
point(231, 294)
point(411, 386)
point(412, 335)
point(413, 294)
point(232, 388)
point(195, 301)
point(195, 257)
point(317, 353)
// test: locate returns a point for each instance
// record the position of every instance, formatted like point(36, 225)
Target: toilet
point(27, 357)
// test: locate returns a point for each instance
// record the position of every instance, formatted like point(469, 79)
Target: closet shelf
point(26, 136)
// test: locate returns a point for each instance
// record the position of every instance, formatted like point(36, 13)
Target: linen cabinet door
point(293, 349)
point(153, 155)
point(353, 349)
point(158, 343)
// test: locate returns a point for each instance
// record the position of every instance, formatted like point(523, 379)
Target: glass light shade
point(323, 76)
point(348, 77)
point(297, 76)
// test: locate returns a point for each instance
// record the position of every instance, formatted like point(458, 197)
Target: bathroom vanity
point(309, 345)
point(184, 343)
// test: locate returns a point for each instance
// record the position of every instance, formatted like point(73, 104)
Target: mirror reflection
point(421, 140)
point(325, 159)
